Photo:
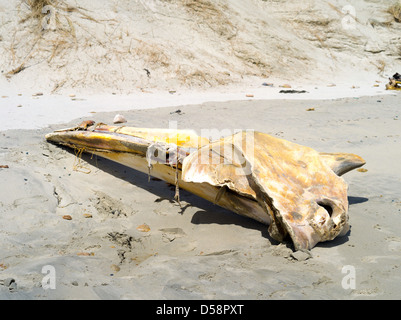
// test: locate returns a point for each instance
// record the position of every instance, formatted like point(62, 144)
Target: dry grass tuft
point(36, 7)
point(395, 11)
point(152, 54)
point(48, 30)
point(208, 13)
point(38, 10)
point(42, 11)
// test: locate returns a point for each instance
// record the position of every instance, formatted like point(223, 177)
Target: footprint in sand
point(110, 207)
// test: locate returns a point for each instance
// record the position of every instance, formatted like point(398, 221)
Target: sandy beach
point(200, 251)
point(76, 226)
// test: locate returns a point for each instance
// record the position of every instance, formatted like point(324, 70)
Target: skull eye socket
point(327, 207)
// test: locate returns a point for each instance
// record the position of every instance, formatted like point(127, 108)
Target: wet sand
point(199, 251)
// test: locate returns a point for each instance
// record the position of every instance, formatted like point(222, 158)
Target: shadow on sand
point(208, 213)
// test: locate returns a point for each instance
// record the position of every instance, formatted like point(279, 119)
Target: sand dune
point(129, 46)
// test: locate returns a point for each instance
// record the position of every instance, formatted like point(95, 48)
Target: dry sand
point(201, 251)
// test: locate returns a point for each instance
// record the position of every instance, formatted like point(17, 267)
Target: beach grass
point(395, 11)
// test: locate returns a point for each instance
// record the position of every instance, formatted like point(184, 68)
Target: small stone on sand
point(143, 228)
point(300, 255)
point(115, 268)
point(119, 119)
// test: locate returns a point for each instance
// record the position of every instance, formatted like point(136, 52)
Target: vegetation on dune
point(395, 11)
